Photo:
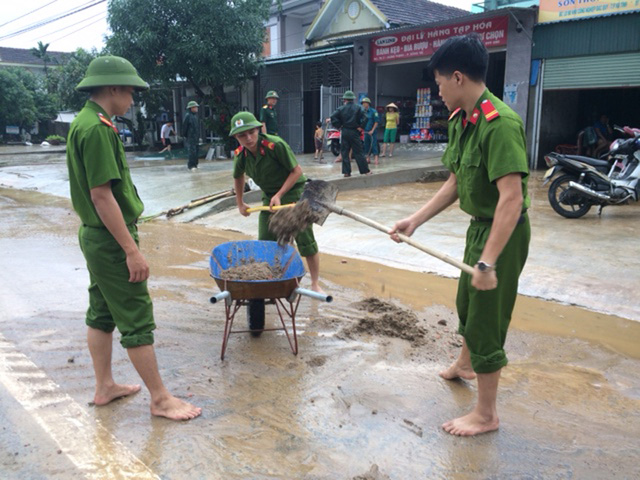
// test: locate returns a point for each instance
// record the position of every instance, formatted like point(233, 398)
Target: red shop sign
point(424, 42)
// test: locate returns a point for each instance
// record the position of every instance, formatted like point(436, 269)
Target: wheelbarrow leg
point(291, 312)
point(230, 310)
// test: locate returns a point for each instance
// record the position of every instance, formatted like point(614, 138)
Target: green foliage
point(24, 100)
point(41, 53)
point(207, 43)
point(56, 139)
point(63, 80)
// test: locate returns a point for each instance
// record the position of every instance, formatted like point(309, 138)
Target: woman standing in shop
point(391, 128)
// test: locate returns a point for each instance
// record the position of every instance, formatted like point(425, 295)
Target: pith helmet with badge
point(192, 104)
point(349, 95)
point(271, 94)
point(243, 121)
point(366, 100)
point(111, 71)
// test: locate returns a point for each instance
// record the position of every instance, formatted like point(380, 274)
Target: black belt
point(521, 220)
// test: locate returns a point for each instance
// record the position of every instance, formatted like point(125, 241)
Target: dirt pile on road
point(285, 224)
point(374, 473)
point(252, 271)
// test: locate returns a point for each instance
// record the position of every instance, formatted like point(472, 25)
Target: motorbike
point(585, 182)
point(333, 139)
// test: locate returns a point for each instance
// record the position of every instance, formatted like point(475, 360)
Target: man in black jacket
point(352, 119)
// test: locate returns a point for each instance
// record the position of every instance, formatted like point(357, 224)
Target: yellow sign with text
point(558, 10)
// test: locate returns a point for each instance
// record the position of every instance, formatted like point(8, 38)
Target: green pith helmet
point(349, 95)
point(271, 94)
point(192, 104)
point(111, 71)
point(243, 121)
point(366, 100)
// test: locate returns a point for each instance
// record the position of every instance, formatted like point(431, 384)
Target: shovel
point(321, 197)
point(265, 208)
point(196, 202)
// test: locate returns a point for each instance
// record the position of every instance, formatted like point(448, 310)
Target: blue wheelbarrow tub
point(234, 254)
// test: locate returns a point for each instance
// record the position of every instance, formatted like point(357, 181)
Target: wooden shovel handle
point(434, 253)
point(264, 208)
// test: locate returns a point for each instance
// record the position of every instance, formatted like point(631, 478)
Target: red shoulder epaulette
point(107, 122)
point(454, 113)
point(268, 144)
point(490, 112)
point(238, 150)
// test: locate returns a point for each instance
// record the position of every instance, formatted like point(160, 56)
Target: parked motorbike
point(333, 139)
point(585, 182)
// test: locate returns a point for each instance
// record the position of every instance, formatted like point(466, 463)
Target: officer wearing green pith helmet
point(268, 114)
point(191, 133)
point(107, 202)
point(352, 119)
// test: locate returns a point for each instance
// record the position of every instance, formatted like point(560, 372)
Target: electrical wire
point(81, 28)
point(48, 34)
point(28, 13)
point(51, 20)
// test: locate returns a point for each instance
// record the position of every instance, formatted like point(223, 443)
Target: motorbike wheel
point(255, 316)
point(335, 148)
point(567, 202)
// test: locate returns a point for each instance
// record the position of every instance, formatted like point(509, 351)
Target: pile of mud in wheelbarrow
point(256, 273)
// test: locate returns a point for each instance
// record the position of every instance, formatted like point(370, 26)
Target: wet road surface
point(569, 400)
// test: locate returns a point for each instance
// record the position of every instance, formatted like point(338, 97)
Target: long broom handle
point(359, 218)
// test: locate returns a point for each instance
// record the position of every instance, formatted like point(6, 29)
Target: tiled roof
point(23, 56)
point(414, 12)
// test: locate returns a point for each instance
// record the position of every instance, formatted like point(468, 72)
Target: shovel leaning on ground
point(321, 197)
point(196, 202)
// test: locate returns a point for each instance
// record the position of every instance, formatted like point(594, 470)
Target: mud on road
point(361, 400)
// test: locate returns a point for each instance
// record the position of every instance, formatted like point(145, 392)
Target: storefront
point(583, 69)
point(393, 68)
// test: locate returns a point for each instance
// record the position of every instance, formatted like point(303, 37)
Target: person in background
point(106, 200)
point(191, 134)
point(165, 136)
point(351, 119)
point(392, 120)
point(318, 139)
point(370, 131)
point(605, 135)
point(268, 114)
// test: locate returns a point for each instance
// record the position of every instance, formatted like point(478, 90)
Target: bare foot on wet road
point(108, 394)
point(471, 424)
point(458, 371)
point(174, 409)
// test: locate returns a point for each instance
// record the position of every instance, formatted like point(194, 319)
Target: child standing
point(318, 139)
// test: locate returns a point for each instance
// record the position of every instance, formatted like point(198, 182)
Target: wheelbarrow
point(284, 292)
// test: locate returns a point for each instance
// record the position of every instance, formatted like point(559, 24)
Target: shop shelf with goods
point(430, 118)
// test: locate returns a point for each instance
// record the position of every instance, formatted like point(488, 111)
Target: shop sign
point(558, 10)
point(424, 42)
point(12, 130)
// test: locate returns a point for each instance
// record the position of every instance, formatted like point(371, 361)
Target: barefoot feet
point(458, 370)
point(174, 409)
point(471, 424)
point(107, 394)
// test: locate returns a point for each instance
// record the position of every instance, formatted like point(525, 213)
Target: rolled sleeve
point(505, 149)
point(99, 156)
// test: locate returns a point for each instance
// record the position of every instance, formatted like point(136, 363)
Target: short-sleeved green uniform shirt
point(269, 168)
point(95, 156)
point(269, 117)
point(482, 149)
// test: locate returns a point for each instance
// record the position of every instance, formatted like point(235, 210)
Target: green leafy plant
point(56, 140)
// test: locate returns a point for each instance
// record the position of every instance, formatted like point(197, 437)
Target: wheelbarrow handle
point(265, 208)
point(359, 218)
point(315, 295)
point(220, 296)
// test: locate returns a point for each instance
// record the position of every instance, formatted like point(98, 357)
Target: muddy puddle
point(362, 399)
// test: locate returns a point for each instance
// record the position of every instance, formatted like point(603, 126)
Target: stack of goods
point(422, 124)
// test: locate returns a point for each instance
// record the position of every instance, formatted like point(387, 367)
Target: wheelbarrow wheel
point(255, 316)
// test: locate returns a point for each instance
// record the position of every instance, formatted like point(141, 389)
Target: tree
point(41, 53)
point(63, 80)
point(24, 100)
point(207, 43)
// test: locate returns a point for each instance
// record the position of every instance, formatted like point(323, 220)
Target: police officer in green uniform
point(486, 156)
point(268, 114)
point(191, 133)
point(352, 119)
point(269, 161)
point(108, 205)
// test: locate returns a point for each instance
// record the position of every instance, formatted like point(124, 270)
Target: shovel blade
point(319, 194)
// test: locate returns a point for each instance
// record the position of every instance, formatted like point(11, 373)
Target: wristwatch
point(484, 267)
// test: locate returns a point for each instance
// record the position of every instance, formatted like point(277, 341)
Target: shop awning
point(307, 55)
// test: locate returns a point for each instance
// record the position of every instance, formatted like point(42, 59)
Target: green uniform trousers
point(113, 300)
point(192, 150)
point(351, 141)
point(485, 315)
point(305, 240)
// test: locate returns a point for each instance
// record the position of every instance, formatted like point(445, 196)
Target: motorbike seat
point(594, 162)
